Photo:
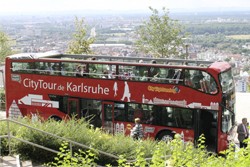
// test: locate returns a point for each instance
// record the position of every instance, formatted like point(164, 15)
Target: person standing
point(243, 133)
point(92, 67)
point(154, 72)
point(141, 71)
point(137, 130)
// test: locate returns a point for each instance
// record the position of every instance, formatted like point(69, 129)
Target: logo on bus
point(15, 77)
point(173, 90)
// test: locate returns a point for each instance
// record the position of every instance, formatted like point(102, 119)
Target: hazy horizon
point(128, 12)
point(25, 7)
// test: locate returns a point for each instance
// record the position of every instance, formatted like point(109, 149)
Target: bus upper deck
point(56, 55)
point(196, 74)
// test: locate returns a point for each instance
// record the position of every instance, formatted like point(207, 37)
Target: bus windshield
point(226, 80)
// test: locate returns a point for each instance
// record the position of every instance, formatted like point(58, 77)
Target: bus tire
point(165, 136)
point(55, 118)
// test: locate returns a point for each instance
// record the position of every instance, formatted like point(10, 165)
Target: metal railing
point(71, 142)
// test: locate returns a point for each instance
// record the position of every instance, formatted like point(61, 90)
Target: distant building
point(93, 32)
point(241, 86)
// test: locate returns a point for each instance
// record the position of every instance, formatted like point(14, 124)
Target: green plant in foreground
point(161, 155)
point(185, 154)
point(134, 153)
point(175, 153)
point(140, 158)
point(65, 159)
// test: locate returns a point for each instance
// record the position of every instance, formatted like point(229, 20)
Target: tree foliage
point(80, 43)
point(5, 49)
point(160, 36)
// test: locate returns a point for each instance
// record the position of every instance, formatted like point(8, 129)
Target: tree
point(160, 36)
point(80, 43)
point(5, 49)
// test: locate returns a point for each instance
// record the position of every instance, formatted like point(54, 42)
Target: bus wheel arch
point(165, 135)
point(56, 118)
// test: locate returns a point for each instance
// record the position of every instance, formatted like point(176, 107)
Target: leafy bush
point(76, 130)
point(65, 159)
point(131, 152)
point(175, 153)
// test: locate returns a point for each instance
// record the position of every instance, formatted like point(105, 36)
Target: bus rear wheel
point(165, 136)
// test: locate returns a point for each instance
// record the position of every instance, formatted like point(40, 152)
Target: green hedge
point(144, 152)
point(76, 130)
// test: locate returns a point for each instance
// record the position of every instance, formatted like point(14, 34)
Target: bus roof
point(58, 55)
point(33, 55)
point(218, 66)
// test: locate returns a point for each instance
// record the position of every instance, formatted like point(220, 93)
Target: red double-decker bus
point(188, 97)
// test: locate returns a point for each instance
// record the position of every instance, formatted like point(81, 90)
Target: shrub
point(76, 130)
point(131, 152)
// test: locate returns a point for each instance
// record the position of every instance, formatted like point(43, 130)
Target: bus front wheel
point(56, 118)
point(165, 136)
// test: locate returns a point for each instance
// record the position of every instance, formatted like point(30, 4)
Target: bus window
point(31, 68)
point(178, 76)
point(119, 112)
point(226, 80)
point(141, 73)
point(212, 87)
point(91, 111)
point(109, 72)
point(92, 69)
point(174, 117)
point(201, 81)
point(48, 69)
point(139, 112)
point(131, 111)
point(187, 118)
point(154, 74)
point(196, 77)
point(81, 70)
point(40, 67)
point(56, 69)
point(187, 78)
point(162, 75)
point(108, 113)
point(20, 67)
point(151, 115)
point(126, 72)
point(170, 75)
point(67, 69)
point(99, 71)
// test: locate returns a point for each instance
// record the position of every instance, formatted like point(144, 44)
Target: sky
point(28, 6)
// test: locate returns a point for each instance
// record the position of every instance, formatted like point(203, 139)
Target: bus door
point(206, 124)
point(108, 116)
point(73, 107)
